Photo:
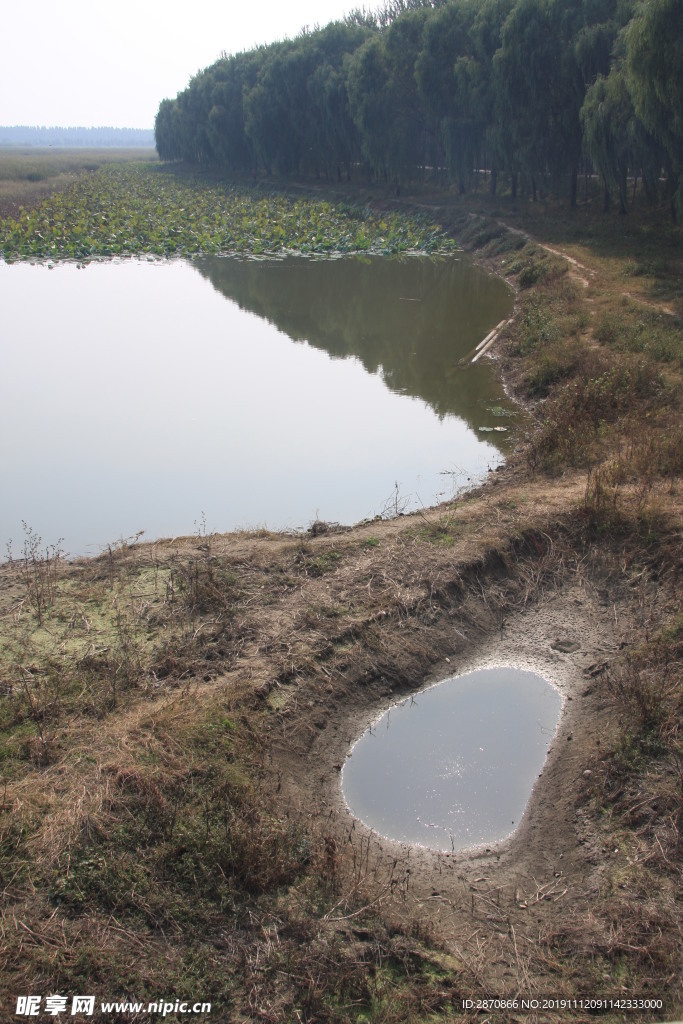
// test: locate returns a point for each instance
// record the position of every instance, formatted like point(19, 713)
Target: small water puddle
point(453, 767)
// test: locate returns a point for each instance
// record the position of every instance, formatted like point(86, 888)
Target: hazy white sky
point(86, 62)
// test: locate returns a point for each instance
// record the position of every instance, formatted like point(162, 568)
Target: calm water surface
point(453, 767)
point(157, 396)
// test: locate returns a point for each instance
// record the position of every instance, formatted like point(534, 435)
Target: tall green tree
point(654, 75)
point(608, 119)
point(446, 71)
point(523, 86)
point(332, 135)
point(166, 130)
point(486, 32)
point(541, 90)
point(368, 76)
point(525, 67)
point(231, 149)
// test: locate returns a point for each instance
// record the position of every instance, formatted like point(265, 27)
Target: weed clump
point(596, 396)
point(39, 569)
point(205, 586)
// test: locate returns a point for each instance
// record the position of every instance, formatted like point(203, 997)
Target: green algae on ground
point(139, 210)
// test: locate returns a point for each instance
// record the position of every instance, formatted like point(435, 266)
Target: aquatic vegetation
point(137, 210)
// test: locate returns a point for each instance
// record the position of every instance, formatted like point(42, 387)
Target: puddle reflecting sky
point(453, 767)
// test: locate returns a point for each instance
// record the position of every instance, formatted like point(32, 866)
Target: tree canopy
point(533, 89)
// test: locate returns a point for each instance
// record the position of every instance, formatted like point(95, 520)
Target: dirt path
point(586, 273)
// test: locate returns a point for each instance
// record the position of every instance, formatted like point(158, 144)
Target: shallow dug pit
point(453, 766)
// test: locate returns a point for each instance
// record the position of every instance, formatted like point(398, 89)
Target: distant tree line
point(535, 91)
point(82, 138)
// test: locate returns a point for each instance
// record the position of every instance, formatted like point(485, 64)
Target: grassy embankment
point(151, 842)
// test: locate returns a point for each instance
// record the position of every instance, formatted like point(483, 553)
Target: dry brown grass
point(27, 176)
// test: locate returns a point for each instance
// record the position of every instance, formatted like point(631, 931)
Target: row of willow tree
point(538, 91)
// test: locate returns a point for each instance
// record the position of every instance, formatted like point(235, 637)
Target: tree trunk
point(673, 185)
point(623, 208)
point(573, 186)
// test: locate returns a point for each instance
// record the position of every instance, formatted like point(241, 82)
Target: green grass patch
point(442, 532)
point(322, 563)
point(635, 330)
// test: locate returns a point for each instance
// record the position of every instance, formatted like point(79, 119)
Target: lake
point(174, 397)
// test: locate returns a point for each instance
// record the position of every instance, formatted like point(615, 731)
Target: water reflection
point(135, 397)
point(411, 319)
point(453, 767)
